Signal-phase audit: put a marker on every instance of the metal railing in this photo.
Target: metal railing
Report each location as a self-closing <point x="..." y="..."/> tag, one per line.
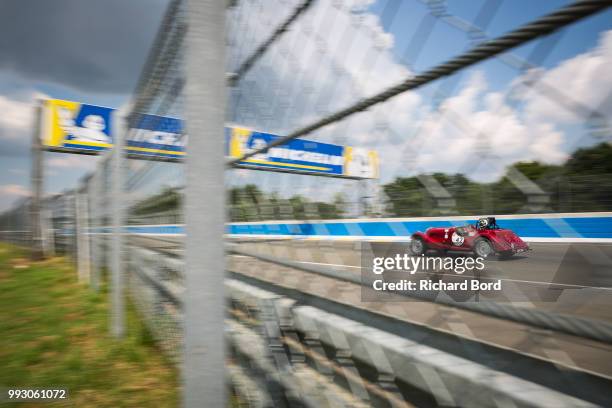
<point x="288" y="345"/>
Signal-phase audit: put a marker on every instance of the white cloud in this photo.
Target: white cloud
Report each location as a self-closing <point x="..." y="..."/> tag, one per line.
<point x="72" y="161"/>
<point x="479" y="134"/>
<point x="17" y="122"/>
<point x="17" y="117"/>
<point x="581" y="81"/>
<point x="538" y="130"/>
<point x="18" y="114"/>
<point x="334" y="54"/>
<point x="357" y="5"/>
<point x="14" y="190"/>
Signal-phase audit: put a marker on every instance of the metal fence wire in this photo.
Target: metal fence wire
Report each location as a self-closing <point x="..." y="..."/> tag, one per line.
<point x="296" y="328"/>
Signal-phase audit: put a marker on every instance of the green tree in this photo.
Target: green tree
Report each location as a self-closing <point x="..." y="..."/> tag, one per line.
<point x="592" y="160"/>
<point x="168" y="199"/>
<point x="407" y="197"/>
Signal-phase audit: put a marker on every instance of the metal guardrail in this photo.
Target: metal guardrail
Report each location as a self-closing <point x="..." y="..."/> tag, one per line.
<point x="577" y="326"/>
<point x="280" y="345"/>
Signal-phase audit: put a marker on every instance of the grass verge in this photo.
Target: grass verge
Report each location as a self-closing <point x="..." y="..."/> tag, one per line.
<point x="54" y="333"/>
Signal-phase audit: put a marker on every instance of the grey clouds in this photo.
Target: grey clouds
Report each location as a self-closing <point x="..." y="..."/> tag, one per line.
<point x="88" y="45"/>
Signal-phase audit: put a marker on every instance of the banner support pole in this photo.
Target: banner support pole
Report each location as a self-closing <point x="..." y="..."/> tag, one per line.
<point x="37" y="174"/>
<point x="117" y="198"/>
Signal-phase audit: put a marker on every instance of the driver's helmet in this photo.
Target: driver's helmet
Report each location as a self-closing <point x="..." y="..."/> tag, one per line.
<point x="486" y="222"/>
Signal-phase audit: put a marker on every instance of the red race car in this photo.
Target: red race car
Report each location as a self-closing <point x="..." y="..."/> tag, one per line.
<point x="484" y="238"/>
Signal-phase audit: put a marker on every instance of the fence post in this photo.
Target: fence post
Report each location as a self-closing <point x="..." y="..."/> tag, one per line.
<point x="204" y="351"/>
<point x="47" y="231"/>
<point x="37" y="187"/>
<point x="82" y="235"/>
<point x="95" y="197"/>
<point x="117" y="207"/>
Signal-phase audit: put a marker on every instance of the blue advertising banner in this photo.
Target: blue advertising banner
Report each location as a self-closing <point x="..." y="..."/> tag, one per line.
<point x="301" y="155"/>
<point x="81" y="128"/>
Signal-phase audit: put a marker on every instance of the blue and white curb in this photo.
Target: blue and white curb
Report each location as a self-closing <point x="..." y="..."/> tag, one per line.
<point x="569" y="227"/>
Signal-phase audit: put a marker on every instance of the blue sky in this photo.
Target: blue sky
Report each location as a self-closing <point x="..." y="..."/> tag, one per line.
<point x="446" y="41"/>
<point x="106" y="74"/>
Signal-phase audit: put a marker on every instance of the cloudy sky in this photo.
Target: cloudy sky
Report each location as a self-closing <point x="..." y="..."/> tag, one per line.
<point x="339" y="51"/>
<point x="342" y="51"/>
<point x="83" y="50"/>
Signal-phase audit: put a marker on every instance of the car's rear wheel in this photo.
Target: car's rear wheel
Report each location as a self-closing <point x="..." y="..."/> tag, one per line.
<point x="483" y="248"/>
<point x="417" y="246"/>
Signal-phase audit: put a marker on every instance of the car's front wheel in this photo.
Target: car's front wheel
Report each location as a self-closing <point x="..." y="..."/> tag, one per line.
<point x="417" y="246"/>
<point x="483" y="248"/>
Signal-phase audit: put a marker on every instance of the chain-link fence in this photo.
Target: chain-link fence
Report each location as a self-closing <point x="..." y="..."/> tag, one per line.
<point x="451" y="142"/>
